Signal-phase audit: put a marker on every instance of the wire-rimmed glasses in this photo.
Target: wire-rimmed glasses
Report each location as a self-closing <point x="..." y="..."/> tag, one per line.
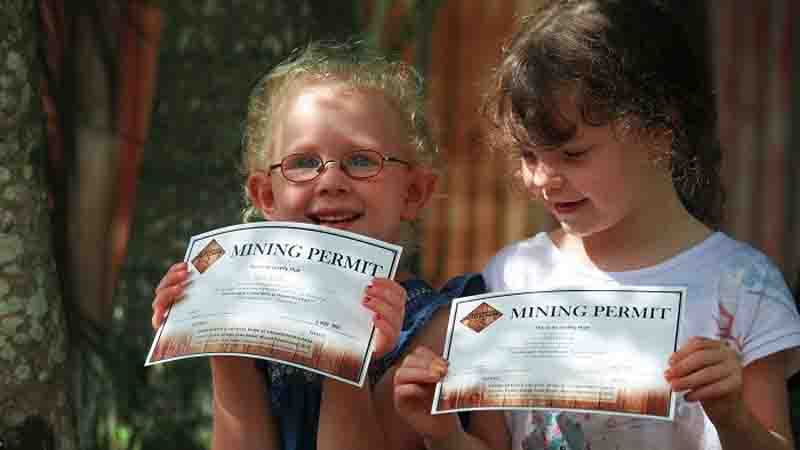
<point x="358" y="164"/>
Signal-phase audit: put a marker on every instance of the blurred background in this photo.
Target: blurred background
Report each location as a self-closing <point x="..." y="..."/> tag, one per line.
<point x="144" y="102"/>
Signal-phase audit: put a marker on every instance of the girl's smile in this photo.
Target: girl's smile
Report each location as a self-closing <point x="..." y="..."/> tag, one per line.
<point x="566" y="208"/>
<point x="335" y="218"/>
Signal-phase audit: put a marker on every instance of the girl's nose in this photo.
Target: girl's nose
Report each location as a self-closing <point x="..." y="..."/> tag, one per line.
<point x="332" y="179"/>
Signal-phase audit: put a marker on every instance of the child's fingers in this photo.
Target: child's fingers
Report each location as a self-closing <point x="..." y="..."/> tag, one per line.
<point x="422" y="353"/>
<point x="172" y="272"/>
<point x="691" y="346"/>
<point x="384" y="310"/>
<point x="409" y="390"/>
<point x="389" y="291"/>
<point x="697" y="357"/>
<point x="169" y="290"/>
<point x="156" y="320"/>
<point x="721" y="388"/>
<point x="171" y="280"/>
<point x="703" y="377"/>
<point x="177" y="273"/>
<point x="708" y="369"/>
<point x="412" y="399"/>
<point x="169" y="295"/>
<point x="417" y="375"/>
<point x="386" y="328"/>
<point x="695" y="362"/>
<point x="405" y="392"/>
<point x="424" y="358"/>
<point x="159" y="314"/>
<point x="386" y="298"/>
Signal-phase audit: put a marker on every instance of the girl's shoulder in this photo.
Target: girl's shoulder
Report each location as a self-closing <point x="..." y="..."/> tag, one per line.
<point x="423" y="301"/>
<point x="752" y="268"/>
<point x="524" y="264"/>
<point x="535" y="247"/>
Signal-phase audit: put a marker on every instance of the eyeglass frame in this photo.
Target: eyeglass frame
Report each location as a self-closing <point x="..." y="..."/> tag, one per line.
<point x="324" y="164"/>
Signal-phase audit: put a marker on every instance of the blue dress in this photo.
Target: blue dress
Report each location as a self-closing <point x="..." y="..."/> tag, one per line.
<point x="295" y="394"/>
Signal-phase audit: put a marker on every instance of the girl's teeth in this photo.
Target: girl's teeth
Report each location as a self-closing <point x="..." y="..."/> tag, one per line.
<point x="335" y="219"/>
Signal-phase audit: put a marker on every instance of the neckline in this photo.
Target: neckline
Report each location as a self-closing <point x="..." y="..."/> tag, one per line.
<point x="677" y="259"/>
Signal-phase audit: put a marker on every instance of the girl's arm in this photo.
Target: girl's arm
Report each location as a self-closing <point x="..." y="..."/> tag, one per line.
<point x="748" y="406"/>
<point x="765" y="399"/>
<point x="242" y="415"/>
<point x="407" y="419"/>
<point x="348" y="418"/>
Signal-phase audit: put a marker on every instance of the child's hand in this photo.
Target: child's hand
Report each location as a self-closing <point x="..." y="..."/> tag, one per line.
<point x="387" y="300"/>
<point x="169" y="290"/>
<point x="414" y="384"/>
<point x="711" y="373"/>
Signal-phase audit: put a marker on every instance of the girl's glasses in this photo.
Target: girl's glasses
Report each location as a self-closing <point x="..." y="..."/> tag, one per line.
<point x="359" y="164"/>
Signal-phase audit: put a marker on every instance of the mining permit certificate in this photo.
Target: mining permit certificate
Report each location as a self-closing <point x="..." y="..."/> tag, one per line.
<point x="578" y="350"/>
<point x="286" y="292"/>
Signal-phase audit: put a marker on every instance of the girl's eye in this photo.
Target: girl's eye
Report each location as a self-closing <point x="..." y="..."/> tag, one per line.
<point x="362" y="159"/>
<point x="299" y="162"/>
<point x="528" y="156"/>
<point x="575" y="154"/>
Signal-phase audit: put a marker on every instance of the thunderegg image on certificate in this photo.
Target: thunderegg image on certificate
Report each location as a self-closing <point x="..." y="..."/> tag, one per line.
<point x="286" y="292"/>
<point x="579" y="350"/>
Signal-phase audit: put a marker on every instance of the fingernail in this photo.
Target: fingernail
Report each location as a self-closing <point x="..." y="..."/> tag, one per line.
<point x="439" y="366"/>
<point x="436" y="373"/>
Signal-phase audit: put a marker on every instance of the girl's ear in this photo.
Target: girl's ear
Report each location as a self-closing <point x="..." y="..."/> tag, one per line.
<point x="420" y="189"/>
<point x="259" y="188"/>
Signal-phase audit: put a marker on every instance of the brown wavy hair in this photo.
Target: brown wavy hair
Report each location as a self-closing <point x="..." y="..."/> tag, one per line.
<point x="633" y="68"/>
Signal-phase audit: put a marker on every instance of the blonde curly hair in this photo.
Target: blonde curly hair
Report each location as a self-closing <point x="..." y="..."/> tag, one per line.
<point x="351" y="64"/>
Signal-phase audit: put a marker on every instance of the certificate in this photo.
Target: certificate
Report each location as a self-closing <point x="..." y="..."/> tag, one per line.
<point x="593" y="350"/>
<point x="286" y="292"/>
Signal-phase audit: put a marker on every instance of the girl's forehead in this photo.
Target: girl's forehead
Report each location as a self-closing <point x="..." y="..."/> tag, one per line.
<point x="330" y="92"/>
<point x="324" y="110"/>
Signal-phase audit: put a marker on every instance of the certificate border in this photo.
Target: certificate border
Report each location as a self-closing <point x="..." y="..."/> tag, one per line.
<point x="458" y="302"/>
<point x="394" y="250"/>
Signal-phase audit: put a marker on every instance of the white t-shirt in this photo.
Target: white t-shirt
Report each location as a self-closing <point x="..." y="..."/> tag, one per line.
<point x="733" y="292"/>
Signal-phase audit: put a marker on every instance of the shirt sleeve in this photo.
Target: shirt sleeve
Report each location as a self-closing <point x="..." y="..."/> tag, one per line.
<point x="774" y="324"/>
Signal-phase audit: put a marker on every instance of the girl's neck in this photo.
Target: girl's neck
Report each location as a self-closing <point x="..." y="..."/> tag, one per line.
<point x="639" y="241"/>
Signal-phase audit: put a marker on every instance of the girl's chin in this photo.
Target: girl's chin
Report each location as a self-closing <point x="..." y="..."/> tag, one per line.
<point x="575" y="229"/>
